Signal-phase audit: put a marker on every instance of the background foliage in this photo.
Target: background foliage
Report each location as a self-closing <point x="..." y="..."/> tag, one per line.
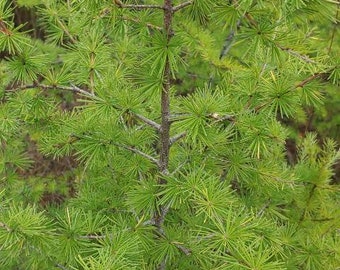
<point x="251" y="181"/>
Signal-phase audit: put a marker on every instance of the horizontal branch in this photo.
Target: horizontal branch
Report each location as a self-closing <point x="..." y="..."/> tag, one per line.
<point x="61" y="266"/>
<point x="303" y="57"/>
<point x="221" y="118"/>
<point x="71" y="88"/>
<point x="177" y="137"/>
<point x="323" y="219"/>
<point x="301" y="84"/>
<point x="148" y="121"/>
<point x="92" y="236"/>
<point x="138" y="152"/>
<point x="180" y="6"/>
<point x="178" y="116"/>
<point x="323" y="75"/>
<point x="120" y="4"/>
<point x="149" y="222"/>
<point x="76" y="89"/>
<point x="309" y="79"/>
<point x="152" y="26"/>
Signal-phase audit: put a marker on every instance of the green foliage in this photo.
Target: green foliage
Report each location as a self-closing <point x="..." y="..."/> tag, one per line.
<point x="25" y="235"/>
<point x="85" y="178"/>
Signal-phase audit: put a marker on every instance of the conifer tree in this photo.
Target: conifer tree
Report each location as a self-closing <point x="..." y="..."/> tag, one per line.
<point x="170" y="116"/>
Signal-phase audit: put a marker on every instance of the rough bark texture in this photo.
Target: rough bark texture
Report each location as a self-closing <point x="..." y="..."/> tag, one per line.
<point x="165" y="97"/>
<point x="165" y="123"/>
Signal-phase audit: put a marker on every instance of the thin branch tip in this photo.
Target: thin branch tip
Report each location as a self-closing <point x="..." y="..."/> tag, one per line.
<point x="72" y="88"/>
<point x="139" y="152"/>
<point x="120" y="4"/>
<point x="148" y="121"/>
<point x="180" y="6"/>
<point x="177" y="137"/>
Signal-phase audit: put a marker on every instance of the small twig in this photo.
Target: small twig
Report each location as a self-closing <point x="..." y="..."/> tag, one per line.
<point x="162" y="266"/>
<point x="296" y="54"/>
<point x="229" y="40"/>
<point x="334" y="29"/>
<point x="177" y="137"/>
<point x="92" y="236"/>
<point x="301" y="84"/>
<point x="263" y="69"/>
<point x="147" y="24"/>
<point x="309" y="79"/>
<point x="122" y="5"/>
<point x="149" y="222"/>
<point x="61" y="266"/>
<point x="264" y="207"/>
<point x="159" y="219"/>
<point x="4" y="29"/>
<point x="148" y="121"/>
<point x="180" y="6"/>
<point x="3" y="225"/>
<point x="322" y="219"/>
<point x="139" y="152"/>
<point x="81" y="91"/>
<point x="209" y="236"/>
<point x="221" y="118"/>
<point x="63" y="27"/>
<point x="304" y="212"/>
<point x="180" y="166"/>
<point x="178" y="117"/>
<point x="185" y="250"/>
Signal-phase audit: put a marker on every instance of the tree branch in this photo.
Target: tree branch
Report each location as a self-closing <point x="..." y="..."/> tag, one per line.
<point x="303" y="57"/>
<point x="61" y="266"/>
<point x="63" y="27"/>
<point x="177" y="137"/>
<point x="138" y="21"/>
<point x="3" y="225"/>
<point x="310" y="78"/>
<point x="139" y="152"/>
<point x="71" y="88"/>
<point x="221" y="118"/>
<point x="178" y="117"/>
<point x="180" y="6"/>
<point x="92" y="236"/>
<point x="120" y="4"/>
<point x="301" y="84"/>
<point x="180" y="166"/>
<point x="159" y="219"/>
<point x="76" y="89"/>
<point x="185" y="250"/>
<point x="333" y="31"/>
<point x="264" y="207"/>
<point x="148" y="121"/>
<point x="165" y="95"/>
<point x="229" y="40"/>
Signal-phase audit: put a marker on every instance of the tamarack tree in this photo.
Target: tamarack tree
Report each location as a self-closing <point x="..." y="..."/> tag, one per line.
<point x="170" y="115"/>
